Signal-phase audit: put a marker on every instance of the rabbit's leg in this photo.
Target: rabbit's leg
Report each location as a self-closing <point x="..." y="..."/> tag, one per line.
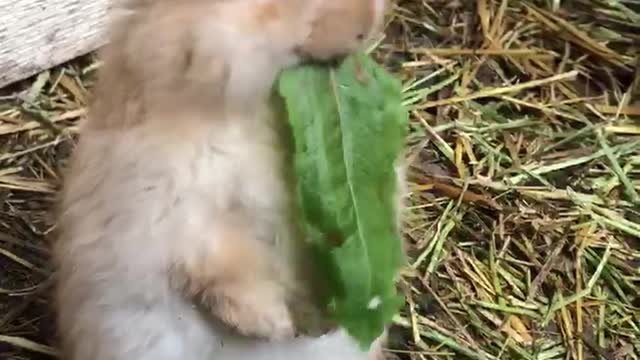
<point x="233" y="276"/>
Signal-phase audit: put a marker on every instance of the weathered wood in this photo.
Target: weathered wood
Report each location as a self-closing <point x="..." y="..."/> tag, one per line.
<point x="38" y="34"/>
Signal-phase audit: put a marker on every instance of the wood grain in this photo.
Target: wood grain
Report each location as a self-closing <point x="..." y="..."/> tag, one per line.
<point x="36" y="35"/>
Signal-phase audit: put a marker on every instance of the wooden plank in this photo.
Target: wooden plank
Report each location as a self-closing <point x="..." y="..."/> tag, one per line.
<point x="36" y="35"/>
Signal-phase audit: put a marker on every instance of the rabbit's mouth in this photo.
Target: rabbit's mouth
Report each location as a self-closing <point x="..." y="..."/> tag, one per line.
<point x="331" y="61"/>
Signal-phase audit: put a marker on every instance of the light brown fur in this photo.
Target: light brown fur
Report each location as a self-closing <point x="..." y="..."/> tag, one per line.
<point x="177" y="198"/>
<point x="237" y="280"/>
<point x="362" y="24"/>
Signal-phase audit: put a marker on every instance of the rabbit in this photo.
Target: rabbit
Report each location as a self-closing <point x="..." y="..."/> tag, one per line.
<point x="176" y="235"/>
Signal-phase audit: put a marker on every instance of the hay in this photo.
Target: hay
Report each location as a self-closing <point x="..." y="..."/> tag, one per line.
<point x="524" y="218"/>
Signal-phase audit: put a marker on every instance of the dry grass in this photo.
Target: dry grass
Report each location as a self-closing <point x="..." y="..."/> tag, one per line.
<point x="525" y="155"/>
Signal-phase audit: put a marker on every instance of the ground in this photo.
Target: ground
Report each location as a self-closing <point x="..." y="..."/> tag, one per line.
<point x="524" y="152"/>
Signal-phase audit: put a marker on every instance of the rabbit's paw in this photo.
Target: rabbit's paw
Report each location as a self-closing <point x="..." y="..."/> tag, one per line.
<point x="256" y="312"/>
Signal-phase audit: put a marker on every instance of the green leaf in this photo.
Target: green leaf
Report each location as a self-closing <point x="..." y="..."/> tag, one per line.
<point x="349" y="128"/>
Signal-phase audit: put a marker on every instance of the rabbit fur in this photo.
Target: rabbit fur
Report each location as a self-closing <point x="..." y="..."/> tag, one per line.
<point x="176" y="236"/>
